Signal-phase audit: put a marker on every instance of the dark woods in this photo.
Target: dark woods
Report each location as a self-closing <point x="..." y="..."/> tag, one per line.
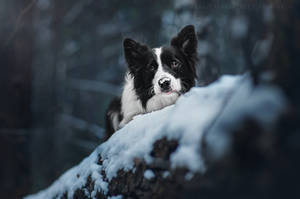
<point x="62" y="62"/>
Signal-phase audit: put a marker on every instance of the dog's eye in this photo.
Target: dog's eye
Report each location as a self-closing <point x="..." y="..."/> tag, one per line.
<point x="175" y="64"/>
<point x="151" y="67"/>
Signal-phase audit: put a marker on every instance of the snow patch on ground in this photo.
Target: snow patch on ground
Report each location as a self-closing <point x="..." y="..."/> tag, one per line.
<point x="148" y="174"/>
<point x="214" y="109"/>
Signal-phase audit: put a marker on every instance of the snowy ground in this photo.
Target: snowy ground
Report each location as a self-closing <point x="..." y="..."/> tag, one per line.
<point x="215" y="110"/>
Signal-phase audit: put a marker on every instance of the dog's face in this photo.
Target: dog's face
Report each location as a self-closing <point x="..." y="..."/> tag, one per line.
<point x="161" y="75"/>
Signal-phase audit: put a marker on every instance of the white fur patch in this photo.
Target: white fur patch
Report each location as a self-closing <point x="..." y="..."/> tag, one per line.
<point x="160" y="74"/>
<point x="131" y="105"/>
<point x="160" y="99"/>
<point x="114" y="116"/>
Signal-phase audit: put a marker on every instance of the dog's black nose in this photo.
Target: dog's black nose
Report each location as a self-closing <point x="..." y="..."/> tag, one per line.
<point x="164" y="84"/>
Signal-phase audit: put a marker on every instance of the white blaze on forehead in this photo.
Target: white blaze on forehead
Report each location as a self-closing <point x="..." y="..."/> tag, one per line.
<point x="157" y="52"/>
<point x="161" y="73"/>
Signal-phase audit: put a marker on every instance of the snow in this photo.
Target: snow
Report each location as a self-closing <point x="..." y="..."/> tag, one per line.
<point x="148" y="174"/>
<point x="215" y="110"/>
<point x="166" y="174"/>
<point x="116" y="197"/>
<point x="188" y="176"/>
<point x="75" y="178"/>
<point x="262" y="104"/>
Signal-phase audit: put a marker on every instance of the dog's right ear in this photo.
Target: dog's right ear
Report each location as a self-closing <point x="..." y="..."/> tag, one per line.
<point x="186" y="41"/>
<point x="134" y="53"/>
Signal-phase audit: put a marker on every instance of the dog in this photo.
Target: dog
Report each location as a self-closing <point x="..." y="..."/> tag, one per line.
<point x="155" y="78"/>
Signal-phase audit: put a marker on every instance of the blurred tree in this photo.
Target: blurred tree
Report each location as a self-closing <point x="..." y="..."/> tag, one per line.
<point x="16" y="57"/>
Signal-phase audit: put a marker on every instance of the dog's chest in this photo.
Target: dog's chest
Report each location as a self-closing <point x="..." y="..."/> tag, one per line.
<point x="131" y="105"/>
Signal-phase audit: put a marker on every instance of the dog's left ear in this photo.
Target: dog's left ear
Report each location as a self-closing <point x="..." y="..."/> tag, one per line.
<point x="186" y="41"/>
<point x="134" y="54"/>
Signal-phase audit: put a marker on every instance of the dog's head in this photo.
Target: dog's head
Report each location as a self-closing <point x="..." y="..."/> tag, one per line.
<point x="166" y="72"/>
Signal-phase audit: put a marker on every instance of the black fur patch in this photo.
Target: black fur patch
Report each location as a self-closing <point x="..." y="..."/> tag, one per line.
<point x="114" y="107"/>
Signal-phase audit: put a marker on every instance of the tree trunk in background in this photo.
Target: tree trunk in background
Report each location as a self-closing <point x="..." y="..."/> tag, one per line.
<point x="284" y="60"/>
<point x="45" y="107"/>
<point x="16" y="55"/>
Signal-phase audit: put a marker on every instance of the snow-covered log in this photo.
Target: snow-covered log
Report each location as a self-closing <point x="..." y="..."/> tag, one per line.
<point x="168" y="149"/>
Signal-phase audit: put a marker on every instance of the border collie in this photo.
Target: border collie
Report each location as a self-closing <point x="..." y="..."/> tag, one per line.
<point x="155" y="79"/>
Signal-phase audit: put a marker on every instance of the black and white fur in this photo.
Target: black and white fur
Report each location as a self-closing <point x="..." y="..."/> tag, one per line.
<point x="155" y="78"/>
